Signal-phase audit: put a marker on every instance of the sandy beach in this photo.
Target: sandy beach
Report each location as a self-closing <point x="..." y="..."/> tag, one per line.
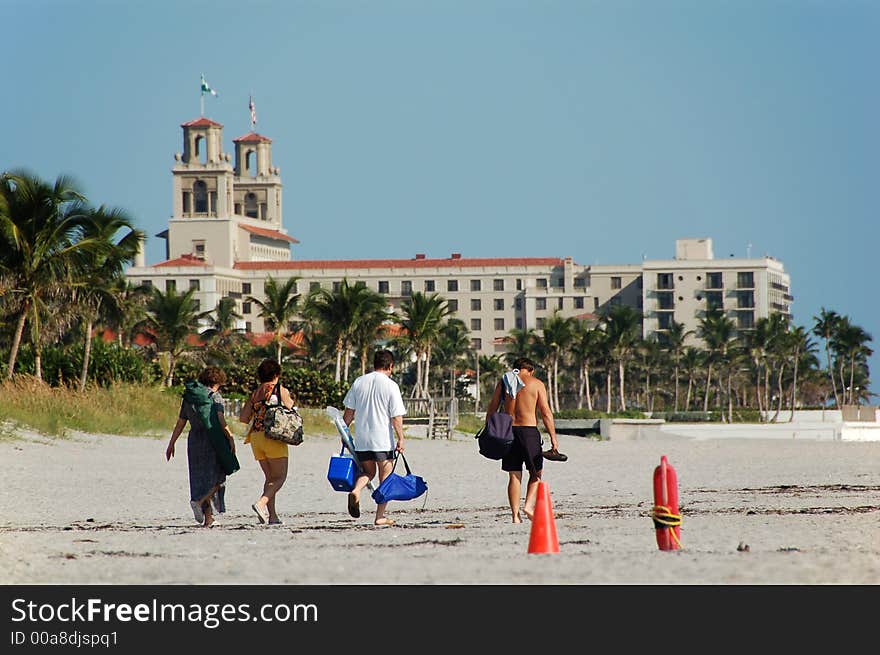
<point x="103" y="509"/>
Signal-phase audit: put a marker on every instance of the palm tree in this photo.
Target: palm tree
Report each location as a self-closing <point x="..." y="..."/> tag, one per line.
<point x="825" y="327"/>
<point x="520" y="343"/>
<point x="279" y="307"/>
<point x="370" y="319"/>
<point x="422" y="319"/>
<point x="717" y="332"/>
<point x="223" y="332"/>
<point x="623" y="329"/>
<point x="350" y="315"/>
<point x="172" y="317"/>
<point x="587" y="349"/>
<point x="851" y="346"/>
<point x="803" y="346"/>
<point x="125" y="307"/>
<point x="452" y="346"/>
<point x="103" y="268"/>
<point x="673" y="343"/>
<point x="555" y="339"/>
<point x="692" y="360"/>
<point x="42" y="246"/>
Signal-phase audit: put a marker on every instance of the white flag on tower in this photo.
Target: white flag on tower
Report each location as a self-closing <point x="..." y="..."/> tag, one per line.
<point x="253" y="112"/>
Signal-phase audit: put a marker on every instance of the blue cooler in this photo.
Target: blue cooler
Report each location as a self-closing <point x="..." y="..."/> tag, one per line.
<point x="341" y="472"/>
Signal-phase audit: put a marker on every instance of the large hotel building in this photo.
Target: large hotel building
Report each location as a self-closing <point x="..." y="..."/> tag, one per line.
<point x="226" y="236"/>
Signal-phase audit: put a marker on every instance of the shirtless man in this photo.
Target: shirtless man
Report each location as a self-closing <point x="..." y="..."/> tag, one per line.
<point x="529" y="400"/>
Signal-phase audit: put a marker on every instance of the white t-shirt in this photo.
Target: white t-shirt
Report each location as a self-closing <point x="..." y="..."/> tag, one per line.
<point x="375" y="399"/>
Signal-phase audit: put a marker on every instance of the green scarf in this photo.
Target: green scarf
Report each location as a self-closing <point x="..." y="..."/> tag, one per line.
<point x="199" y="397"/>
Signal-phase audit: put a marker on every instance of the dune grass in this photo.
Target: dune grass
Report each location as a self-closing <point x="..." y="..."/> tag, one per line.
<point x="126" y="409"/>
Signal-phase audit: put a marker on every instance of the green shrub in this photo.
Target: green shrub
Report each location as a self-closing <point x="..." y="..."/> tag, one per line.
<point x="592" y="413"/>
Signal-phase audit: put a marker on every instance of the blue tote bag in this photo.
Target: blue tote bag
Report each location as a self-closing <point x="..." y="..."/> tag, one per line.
<point x="400" y="487"/>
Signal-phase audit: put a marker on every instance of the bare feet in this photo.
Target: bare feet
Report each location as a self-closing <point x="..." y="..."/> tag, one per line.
<point x="383" y="521"/>
<point x="516" y="518"/>
<point x="529" y="512"/>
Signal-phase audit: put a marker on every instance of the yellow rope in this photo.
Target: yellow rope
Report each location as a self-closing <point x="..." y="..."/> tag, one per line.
<point x="664" y="517"/>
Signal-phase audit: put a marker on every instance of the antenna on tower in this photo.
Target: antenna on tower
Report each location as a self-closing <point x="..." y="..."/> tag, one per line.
<point x="749" y="251"/>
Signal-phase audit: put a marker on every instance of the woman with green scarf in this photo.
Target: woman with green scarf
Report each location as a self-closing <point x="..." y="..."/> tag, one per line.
<point x="210" y="446"/>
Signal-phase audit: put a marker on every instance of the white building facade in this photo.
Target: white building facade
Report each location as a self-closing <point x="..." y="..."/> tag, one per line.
<point x="226" y="236"/>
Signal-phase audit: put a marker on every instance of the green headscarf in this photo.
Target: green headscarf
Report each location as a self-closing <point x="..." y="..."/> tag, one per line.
<point x="199" y="397"/>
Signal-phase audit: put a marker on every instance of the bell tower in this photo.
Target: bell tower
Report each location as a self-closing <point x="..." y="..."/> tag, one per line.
<point x="201" y="225"/>
<point x="257" y="183"/>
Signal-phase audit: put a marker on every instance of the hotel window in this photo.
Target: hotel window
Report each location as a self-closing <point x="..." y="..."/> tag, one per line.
<point x="406" y="288"/>
<point x="665" y="301"/>
<point x="498" y="285"/>
<point x="476" y="305"/>
<point x="314" y="286"/>
<point x="383" y="286"/>
<point x="429" y="286"/>
<point x="519" y="323"/>
<point x="452" y="285"/>
<point x="595" y="303"/>
<point x="519" y="284"/>
<point x="499" y="324"/>
<point x="559" y="303"/>
<point x="499" y="304"/>
<point x="540" y="303"/>
<point x="247" y="326"/>
<point x="664" y="321"/>
<point x="580" y="283"/>
<point x="245" y="308"/>
<point x="665" y="281"/>
<point x="475" y="285"/>
<point x="199" y="249"/>
<point x="245" y="287"/>
<point x="476" y="324"/>
<point x="714" y="300"/>
<point x="170" y="285"/>
<point x="745" y="280"/>
<point x="539" y="323"/>
<point x="194" y="284"/>
<point x="714" y="281"/>
<point x="336" y="286"/>
<point x="745" y="299"/>
<point x="147" y="283"/>
<point x="476" y="344"/>
<point x="615" y="282"/>
<point x="453" y="305"/>
<point x="541" y="282"/>
<point x="578" y="303"/>
<point x="745" y="320"/>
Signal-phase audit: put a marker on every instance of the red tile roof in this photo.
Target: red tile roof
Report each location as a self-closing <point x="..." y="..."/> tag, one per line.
<point x="401" y="263"/>
<point x="265" y="232"/>
<point x="184" y="260"/>
<point x="293" y="340"/>
<point x="201" y="122"/>
<point x="252" y="137"/>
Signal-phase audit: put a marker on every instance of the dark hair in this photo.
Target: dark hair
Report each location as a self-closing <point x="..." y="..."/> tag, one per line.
<point x="268" y="370"/>
<point x="211" y="376"/>
<point x="383" y="360"/>
<point x="524" y="363"/>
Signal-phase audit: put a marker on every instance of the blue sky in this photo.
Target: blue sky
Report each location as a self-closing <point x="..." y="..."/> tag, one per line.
<point x="600" y="130"/>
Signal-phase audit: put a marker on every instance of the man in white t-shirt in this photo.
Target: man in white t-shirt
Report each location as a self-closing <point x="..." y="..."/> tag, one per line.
<point x="375" y="399"/>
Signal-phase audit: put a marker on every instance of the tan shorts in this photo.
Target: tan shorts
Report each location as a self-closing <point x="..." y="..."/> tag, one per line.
<point x="265" y="448"/>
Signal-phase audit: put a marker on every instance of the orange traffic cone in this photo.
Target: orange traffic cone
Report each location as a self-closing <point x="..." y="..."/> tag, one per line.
<point x="543" y="536"/>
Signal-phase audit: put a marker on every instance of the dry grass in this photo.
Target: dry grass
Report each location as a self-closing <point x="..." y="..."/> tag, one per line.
<point x="137" y="410"/>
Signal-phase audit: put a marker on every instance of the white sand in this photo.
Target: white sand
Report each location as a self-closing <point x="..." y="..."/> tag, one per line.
<point x="110" y="510"/>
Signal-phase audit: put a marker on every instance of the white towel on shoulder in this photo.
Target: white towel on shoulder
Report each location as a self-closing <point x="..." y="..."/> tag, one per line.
<point x="512" y="383"/>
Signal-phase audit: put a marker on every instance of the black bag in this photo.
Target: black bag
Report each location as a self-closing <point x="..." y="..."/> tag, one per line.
<point x="496" y="437"/>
